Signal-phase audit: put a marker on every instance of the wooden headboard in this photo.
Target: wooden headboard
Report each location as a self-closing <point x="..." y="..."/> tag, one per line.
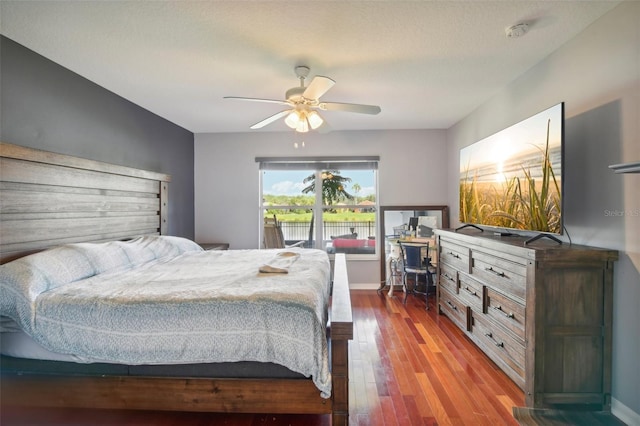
<point x="48" y="199"/>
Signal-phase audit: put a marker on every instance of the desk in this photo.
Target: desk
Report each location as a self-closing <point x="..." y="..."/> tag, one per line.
<point x="421" y="240"/>
<point x="393" y="256"/>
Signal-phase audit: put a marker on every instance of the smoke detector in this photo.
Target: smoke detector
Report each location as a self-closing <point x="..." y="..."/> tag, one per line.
<point x="517" y="30"/>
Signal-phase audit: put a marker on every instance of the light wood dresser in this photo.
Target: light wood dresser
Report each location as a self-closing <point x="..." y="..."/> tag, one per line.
<point x="542" y="312"/>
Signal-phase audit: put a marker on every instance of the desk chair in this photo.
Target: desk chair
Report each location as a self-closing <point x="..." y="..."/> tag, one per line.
<point x="413" y="262"/>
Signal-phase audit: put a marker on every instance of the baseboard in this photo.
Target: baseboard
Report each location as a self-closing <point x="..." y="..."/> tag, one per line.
<point x="624" y="413"/>
<point x="363" y="286"/>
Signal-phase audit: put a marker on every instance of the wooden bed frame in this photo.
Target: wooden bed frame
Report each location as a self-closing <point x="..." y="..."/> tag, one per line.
<point x="49" y="199"/>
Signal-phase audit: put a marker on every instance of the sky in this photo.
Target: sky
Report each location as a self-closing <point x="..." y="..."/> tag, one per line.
<point x="276" y="182"/>
<point x="527" y="136"/>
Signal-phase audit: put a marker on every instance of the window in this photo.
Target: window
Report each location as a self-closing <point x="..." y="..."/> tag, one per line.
<point x="330" y="203"/>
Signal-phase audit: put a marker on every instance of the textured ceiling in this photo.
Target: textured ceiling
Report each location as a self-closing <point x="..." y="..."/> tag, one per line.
<point x="427" y="64"/>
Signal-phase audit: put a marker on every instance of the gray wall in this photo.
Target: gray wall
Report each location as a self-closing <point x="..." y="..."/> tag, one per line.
<point x="46" y="106"/>
<point x="597" y="75"/>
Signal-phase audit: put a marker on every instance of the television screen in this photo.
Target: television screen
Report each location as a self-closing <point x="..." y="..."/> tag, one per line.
<point x="513" y="179"/>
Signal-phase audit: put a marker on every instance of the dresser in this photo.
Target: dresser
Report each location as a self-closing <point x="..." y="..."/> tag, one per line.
<point x="542" y="312"/>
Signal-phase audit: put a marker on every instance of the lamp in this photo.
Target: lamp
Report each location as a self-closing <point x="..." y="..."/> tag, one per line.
<point x="303" y="124"/>
<point x="292" y="119"/>
<point x="302" y="119"/>
<point x="314" y="119"/>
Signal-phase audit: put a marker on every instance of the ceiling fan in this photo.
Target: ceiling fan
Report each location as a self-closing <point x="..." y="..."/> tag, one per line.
<point x="303" y="103"/>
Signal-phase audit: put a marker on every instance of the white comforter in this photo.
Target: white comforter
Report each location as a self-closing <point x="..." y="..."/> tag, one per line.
<point x="197" y="306"/>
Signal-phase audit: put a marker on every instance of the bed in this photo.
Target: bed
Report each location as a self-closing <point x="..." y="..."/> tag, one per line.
<point x="67" y="204"/>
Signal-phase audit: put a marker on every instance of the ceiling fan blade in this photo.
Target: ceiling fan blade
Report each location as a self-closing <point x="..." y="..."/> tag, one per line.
<point x="271" y="101"/>
<point x="324" y="128"/>
<point x="318" y="87"/>
<point x="271" y="119"/>
<point x="338" y="106"/>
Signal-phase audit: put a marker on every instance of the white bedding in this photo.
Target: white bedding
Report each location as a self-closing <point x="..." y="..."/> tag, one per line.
<point x="19" y="344"/>
<point x="187" y="306"/>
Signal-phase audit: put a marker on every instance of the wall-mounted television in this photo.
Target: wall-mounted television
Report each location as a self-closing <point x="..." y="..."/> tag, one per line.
<point x="512" y="180"/>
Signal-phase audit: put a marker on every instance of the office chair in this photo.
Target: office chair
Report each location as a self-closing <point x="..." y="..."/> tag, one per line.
<point x="413" y="262"/>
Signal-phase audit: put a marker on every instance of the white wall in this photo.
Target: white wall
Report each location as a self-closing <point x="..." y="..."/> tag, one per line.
<point x="597" y="75"/>
<point x="411" y="171"/>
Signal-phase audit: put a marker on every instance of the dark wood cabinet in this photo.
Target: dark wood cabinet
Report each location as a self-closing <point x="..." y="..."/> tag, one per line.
<point x="542" y="312"/>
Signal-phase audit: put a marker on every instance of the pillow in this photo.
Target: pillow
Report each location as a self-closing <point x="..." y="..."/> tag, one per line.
<point x="22" y="280"/>
<point x="150" y="247"/>
<point x="50" y="268"/>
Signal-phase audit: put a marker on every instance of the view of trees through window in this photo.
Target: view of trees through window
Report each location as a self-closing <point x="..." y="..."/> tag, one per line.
<point x="340" y="219"/>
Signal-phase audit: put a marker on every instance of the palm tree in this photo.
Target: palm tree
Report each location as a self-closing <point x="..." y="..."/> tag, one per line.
<point x="332" y="190"/>
<point x="356" y="188"/>
<point x="332" y="186"/>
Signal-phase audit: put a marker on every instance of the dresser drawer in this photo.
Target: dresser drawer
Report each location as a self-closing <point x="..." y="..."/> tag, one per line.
<point x="500" y="346"/>
<point x="507" y="312"/>
<point x="471" y="292"/>
<point x="455" y="255"/>
<point x="448" y="278"/>
<point x="508" y="276"/>
<point x="454" y="309"/>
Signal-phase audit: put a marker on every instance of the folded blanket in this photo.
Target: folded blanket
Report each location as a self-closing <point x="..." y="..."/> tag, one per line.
<point x="280" y="263"/>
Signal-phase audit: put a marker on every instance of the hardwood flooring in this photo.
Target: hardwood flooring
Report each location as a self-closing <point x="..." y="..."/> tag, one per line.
<point x="408" y="366"/>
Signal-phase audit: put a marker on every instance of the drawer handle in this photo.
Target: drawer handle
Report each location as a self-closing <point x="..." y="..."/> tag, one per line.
<point x="498" y="344"/>
<point x="452" y="305"/>
<point x="453" y="254"/>
<point x="506" y="314"/>
<point x="493" y="271"/>
<point x="471" y="292"/>
<point x="447" y="277"/>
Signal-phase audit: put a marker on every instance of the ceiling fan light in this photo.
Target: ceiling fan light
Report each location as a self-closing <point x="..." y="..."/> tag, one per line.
<point x="303" y="126"/>
<point x="293" y="119"/>
<point x="314" y="119"/>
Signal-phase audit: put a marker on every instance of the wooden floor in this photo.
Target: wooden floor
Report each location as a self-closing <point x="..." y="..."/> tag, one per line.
<point x="408" y="367"/>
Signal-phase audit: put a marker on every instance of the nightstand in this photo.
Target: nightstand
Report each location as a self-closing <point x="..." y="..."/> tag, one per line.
<point x="214" y="246"/>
